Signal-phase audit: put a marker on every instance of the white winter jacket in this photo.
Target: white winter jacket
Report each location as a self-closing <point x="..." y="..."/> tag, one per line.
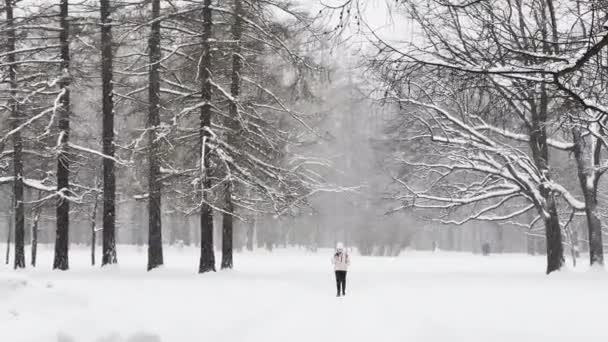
<point x="341" y="261"/>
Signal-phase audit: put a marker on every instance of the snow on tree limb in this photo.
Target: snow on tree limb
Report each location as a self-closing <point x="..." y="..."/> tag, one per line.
<point x="97" y="153"/>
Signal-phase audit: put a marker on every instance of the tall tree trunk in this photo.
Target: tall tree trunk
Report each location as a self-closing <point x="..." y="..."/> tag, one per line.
<point x="594" y="226"/>
<point x="36" y="219"/>
<point x="231" y="123"/>
<point x="63" y="167"/>
<point x="9" y="236"/>
<point x="588" y="183"/>
<point x="227" y="229"/>
<point x="553" y="233"/>
<point x="109" y="179"/>
<point x="19" y="212"/>
<point x="93" y="230"/>
<point x="540" y="153"/>
<point x="155" y="242"/>
<point x="207" y="260"/>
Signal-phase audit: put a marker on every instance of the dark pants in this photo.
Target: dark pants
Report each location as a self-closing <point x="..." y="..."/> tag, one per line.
<point x="341" y="282"/>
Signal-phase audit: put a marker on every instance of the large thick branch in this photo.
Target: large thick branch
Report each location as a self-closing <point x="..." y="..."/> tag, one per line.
<point x="557" y="144"/>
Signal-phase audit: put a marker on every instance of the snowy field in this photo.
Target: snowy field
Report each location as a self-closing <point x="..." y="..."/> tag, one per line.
<point x="289" y="296"/>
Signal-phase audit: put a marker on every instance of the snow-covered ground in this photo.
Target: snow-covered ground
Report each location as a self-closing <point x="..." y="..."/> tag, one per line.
<point x="289" y="296"/>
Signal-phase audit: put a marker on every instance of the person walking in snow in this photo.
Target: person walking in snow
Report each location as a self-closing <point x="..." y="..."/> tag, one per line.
<point x="341" y="261"/>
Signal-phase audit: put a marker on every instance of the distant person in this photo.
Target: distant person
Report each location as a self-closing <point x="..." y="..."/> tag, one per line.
<point x="341" y="261"/>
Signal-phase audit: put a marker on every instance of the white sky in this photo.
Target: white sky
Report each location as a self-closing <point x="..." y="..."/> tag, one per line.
<point x="378" y="16"/>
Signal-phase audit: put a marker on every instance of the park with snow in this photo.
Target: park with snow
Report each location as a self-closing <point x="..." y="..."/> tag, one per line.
<point x="289" y="295"/>
<point x="186" y="171"/>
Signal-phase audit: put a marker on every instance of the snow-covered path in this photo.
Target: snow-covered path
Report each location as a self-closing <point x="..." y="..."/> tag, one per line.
<point x="289" y="296"/>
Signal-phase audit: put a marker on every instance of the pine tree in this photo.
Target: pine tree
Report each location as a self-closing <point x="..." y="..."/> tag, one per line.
<point x="207" y="260"/>
<point x="109" y="175"/>
<point x="155" y="242"/>
<point x="16" y="119"/>
<point x="232" y="125"/>
<point x="63" y="159"/>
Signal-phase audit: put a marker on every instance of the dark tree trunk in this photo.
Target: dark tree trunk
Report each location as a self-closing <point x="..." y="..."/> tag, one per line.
<point x="235" y="87"/>
<point x="93" y="230"/>
<point x="19" y="212"/>
<point x="155" y="252"/>
<point x="587" y="177"/>
<point x="63" y="160"/>
<point x="594" y="226"/>
<point x="227" y="236"/>
<point x="553" y="233"/>
<point x="36" y="219"/>
<point x="540" y="153"/>
<point x="9" y="237"/>
<point x="155" y="241"/>
<point x="109" y="180"/>
<point x="207" y="261"/>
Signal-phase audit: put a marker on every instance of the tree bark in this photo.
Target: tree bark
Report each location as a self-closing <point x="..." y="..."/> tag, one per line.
<point x="594" y="226"/>
<point x="34" y="250"/>
<point x="9" y="237"/>
<point x="19" y="211"/>
<point x="155" y="243"/>
<point x="553" y="233"/>
<point x="231" y="123"/>
<point x="207" y="260"/>
<point x="109" y="177"/>
<point x="227" y="230"/>
<point x="588" y="183"/>
<point x="540" y="153"/>
<point x="93" y="230"/>
<point x="63" y="167"/>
